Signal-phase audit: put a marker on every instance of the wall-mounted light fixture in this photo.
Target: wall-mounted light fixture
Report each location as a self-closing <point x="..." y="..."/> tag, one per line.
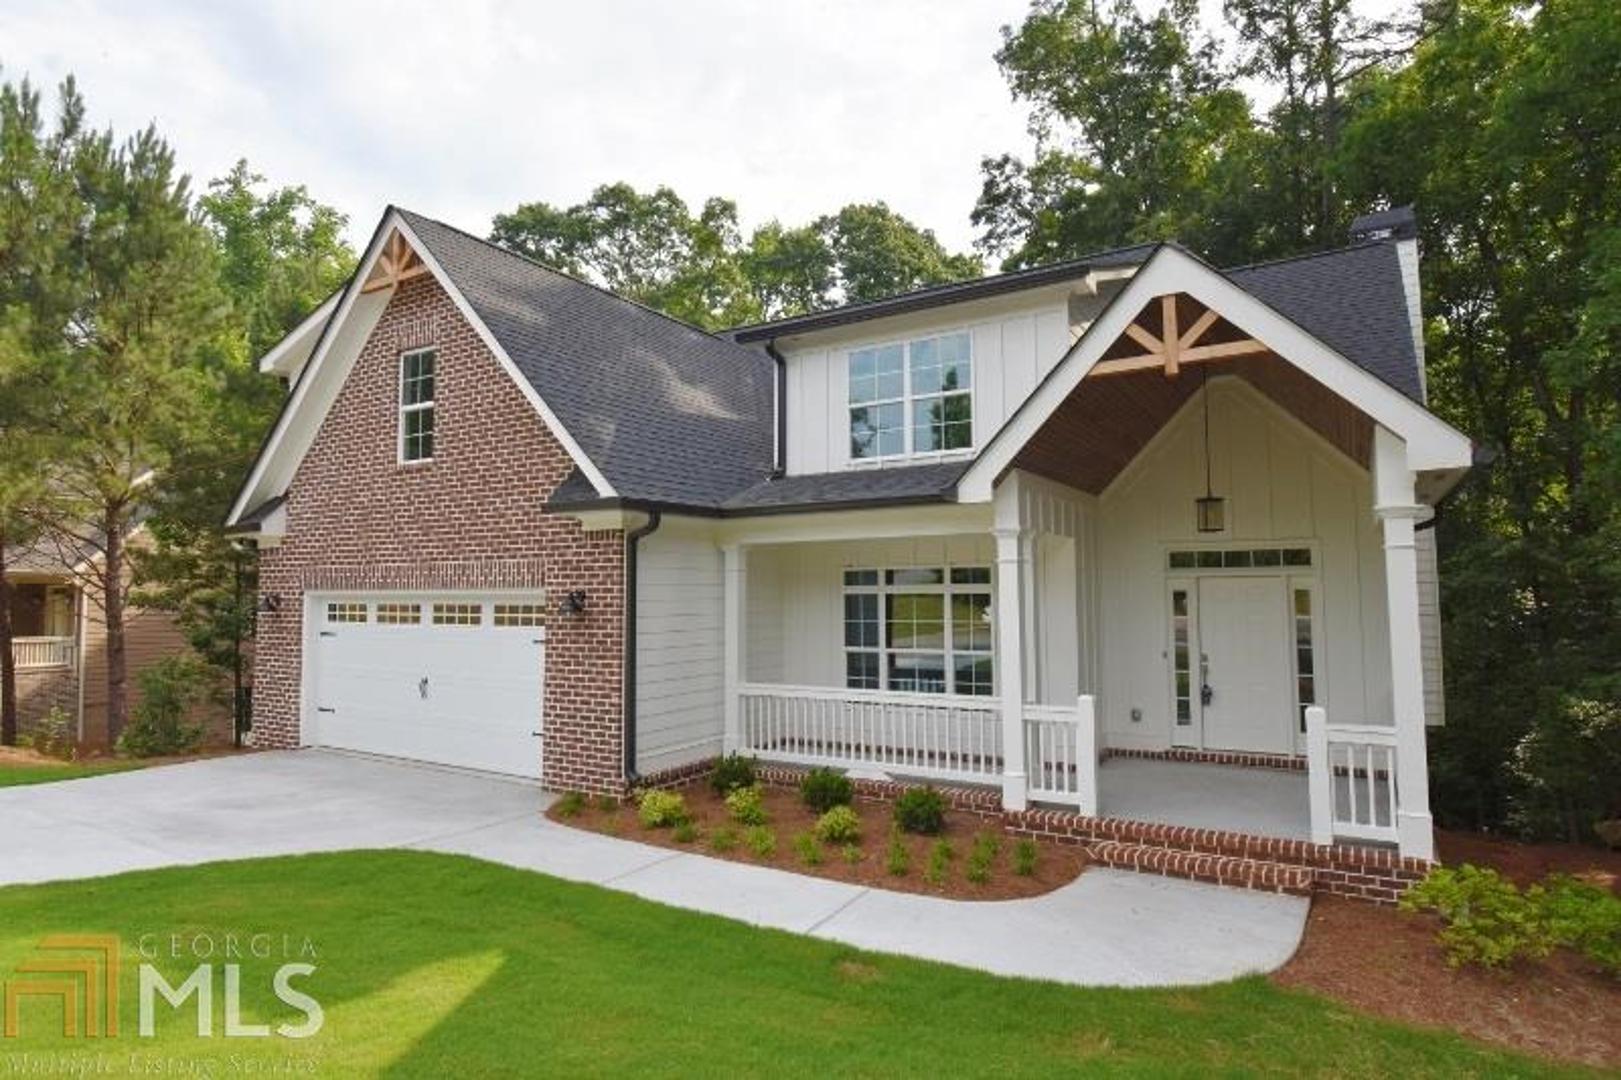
<point x="269" y="603"/>
<point x="573" y="605"/>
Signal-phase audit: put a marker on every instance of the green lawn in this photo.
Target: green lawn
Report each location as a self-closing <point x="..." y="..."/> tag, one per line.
<point x="441" y="966"/>
<point x="13" y="774"/>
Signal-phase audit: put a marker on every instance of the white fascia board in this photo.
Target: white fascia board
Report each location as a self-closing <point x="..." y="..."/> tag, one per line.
<point x="291" y="353"/>
<point x="559" y="432"/>
<point x="1432" y="442"/>
<point x="878" y="523"/>
<point x="296" y="427"/>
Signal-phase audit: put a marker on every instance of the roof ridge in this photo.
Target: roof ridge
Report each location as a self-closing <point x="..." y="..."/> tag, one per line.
<point x="1303" y="256"/>
<point x="1077" y="262"/>
<point x="564" y="274"/>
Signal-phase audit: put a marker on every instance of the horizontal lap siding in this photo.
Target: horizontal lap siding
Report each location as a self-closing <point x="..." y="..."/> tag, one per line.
<point x="471" y="520"/>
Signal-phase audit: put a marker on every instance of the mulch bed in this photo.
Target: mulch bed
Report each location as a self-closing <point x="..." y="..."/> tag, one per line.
<point x="1387" y="962"/>
<point x="1056" y="864"/>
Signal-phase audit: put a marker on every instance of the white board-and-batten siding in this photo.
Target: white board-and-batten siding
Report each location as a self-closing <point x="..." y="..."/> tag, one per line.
<point x="679" y="636"/>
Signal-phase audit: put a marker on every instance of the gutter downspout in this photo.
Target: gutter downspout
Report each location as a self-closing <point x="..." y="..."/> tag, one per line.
<point x="632" y="540"/>
<point x="779" y="459"/>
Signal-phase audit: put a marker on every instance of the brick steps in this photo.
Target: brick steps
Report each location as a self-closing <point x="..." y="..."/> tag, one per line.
<point x="1242" y="873"/>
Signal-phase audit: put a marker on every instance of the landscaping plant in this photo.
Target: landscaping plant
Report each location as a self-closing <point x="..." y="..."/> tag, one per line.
<point x="823" y="789"/>
<point x="52" y="735"/>
<point x="732" y="772"/>
<point x="921" y="810"/>
<point x="986" y="848"/>
<point x="897" y="860"/>
<point x="723" y="839"/>
<point x="761" y="840"/>
<point x="170" y="689"/>
<point x="1582" y="916"/>
<point x="851" y="853"/>
<point x="809" y="848"/>
<point x="1024" y="857"/>
<point x="685" y="832"/>
<point x="940" y="856"/>
<point x="1488" y="921"/>
<point x="662" y="809"/>
<point x="747" y="805"/>
<point x="840" y="825"/>
<point x="571" y="804"/>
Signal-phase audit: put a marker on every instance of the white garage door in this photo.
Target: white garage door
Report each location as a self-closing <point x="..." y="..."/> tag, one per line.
<point x="454" y="680"/>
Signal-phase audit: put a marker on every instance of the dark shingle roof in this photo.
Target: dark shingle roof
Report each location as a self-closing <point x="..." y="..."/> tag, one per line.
<point x="912" y="483"/>
<point x="939" y="295"/>
<point x="1352" y="300"/>
<point x="664" y="410"/>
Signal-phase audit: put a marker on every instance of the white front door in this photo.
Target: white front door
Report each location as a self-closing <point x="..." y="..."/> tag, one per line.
<point x="1243" y="635"/>
<point x="452" y="680"/>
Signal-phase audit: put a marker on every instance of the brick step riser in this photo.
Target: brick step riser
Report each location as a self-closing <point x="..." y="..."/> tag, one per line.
<point x="1213" y="869"/>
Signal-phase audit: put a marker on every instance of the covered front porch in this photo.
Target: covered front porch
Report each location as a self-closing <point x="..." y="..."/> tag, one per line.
<point x="1184" y="590"/>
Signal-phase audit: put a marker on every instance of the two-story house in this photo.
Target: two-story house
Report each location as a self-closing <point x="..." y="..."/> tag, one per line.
<point x="1129" y="544"/>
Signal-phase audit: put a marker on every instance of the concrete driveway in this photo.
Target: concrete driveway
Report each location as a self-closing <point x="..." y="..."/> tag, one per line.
<point x="1107" y="928"/>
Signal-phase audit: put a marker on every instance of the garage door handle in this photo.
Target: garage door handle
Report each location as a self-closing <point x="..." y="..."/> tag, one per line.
<point x="323" y="708"/>
<point x="422" y="687"/>
<point x="536" y="734"/>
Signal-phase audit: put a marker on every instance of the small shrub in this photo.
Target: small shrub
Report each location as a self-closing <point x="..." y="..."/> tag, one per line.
<point x="607" y="803"/>
<point x="809" y="848"/>
<point x="761" y="840"/>
<point x="662" y="809"/>
<point x="170" y="689"/>
<point x="1024" y="857"/>
<point x="685" y="832"/>
<point x="571" y="804"/>
<point x="723" y="839"/>
<point x="52" y="734"/>
<point x="851" y="853"/>
<point x="1582" y="916"/>
<point x="921" y="810"/>
<point x="986" y="848"/>
<point x="898" y="860"/>
<point x="840" y="825"/>
<point x="1489" y="922"/>
<point x="746" y="805"/>
<point x="823" y="789"/>
<point x="940" y="856"/>
<point x="732" y="772"/>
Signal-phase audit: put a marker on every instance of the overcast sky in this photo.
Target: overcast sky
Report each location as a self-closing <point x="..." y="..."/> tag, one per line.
<point x="463" y="109"/>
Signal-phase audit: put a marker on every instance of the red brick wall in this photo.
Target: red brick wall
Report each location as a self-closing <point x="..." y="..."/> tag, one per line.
<point x="470" y="519"/>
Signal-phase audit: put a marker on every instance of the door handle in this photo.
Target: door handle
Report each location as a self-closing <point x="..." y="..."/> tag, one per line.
<point x="422" y="688"/>
<point x="1207" y="693"/>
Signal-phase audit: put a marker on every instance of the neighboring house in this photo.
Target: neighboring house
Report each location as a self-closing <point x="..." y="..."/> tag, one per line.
<point x="59" y="643"/>
<point x="511" y="522"/>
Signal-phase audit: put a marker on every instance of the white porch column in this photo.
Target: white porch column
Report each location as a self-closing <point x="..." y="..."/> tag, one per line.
<point x="734" y="580"/>
<point x="1012" y="570"/>
<point x="1398" y="510"/>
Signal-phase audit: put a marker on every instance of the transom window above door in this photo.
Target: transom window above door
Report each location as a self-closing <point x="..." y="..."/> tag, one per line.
<point x="912" y="397"/>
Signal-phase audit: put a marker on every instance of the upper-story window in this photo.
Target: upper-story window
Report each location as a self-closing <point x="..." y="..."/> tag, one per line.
<point x="911" y="397"/>
<point x="416" y="404"/>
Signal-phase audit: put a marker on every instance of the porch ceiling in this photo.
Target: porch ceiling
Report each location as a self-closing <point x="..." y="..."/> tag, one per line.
<point x="1147" y="374"/>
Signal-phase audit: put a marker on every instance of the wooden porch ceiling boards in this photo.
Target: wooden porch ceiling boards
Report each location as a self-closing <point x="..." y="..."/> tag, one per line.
<point x="1130" y="394"/>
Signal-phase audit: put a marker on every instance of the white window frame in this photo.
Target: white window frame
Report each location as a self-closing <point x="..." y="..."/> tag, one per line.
<point x="909" y="398"/>
<point x="419" y="406"/>
<point x="946" y="590"/>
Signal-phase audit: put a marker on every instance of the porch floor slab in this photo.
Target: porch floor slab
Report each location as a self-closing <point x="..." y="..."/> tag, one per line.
<point x="1262" y="802"/>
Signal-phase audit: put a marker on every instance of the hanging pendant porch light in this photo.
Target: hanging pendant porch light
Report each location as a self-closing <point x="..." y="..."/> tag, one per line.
<point x="1210" y="511"/>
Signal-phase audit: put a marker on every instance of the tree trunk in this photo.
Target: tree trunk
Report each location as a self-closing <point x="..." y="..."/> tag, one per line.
<point x="8" y="662"/>
<point x="112" y="607"/>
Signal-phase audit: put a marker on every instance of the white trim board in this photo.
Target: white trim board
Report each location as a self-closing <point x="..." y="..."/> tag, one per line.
<point x="1432" y="444"/>
<point x="320" y="381"/>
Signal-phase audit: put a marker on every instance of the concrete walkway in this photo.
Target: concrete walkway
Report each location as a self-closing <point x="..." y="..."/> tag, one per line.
<point x="1108" y="928"/>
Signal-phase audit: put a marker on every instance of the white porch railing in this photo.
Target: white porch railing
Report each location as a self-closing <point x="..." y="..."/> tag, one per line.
<point x="1352" y="782"/>
<point x="1061" y="754"/>
<point x="919" y="734"/>
<point x="42" y="652"/>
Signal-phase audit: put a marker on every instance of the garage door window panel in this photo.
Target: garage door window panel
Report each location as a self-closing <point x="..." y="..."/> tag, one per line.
<point x="458" y="614"/>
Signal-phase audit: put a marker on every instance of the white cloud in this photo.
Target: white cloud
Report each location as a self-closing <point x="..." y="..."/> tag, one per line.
<point x="463" y="110"/>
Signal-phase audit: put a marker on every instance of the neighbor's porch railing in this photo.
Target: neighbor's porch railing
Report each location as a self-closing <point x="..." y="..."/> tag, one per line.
<point x="1061" y="754"/>
<point x="1352" y="781"/>
<point x="928" y="735"/>
<point x="43" y="652"/>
